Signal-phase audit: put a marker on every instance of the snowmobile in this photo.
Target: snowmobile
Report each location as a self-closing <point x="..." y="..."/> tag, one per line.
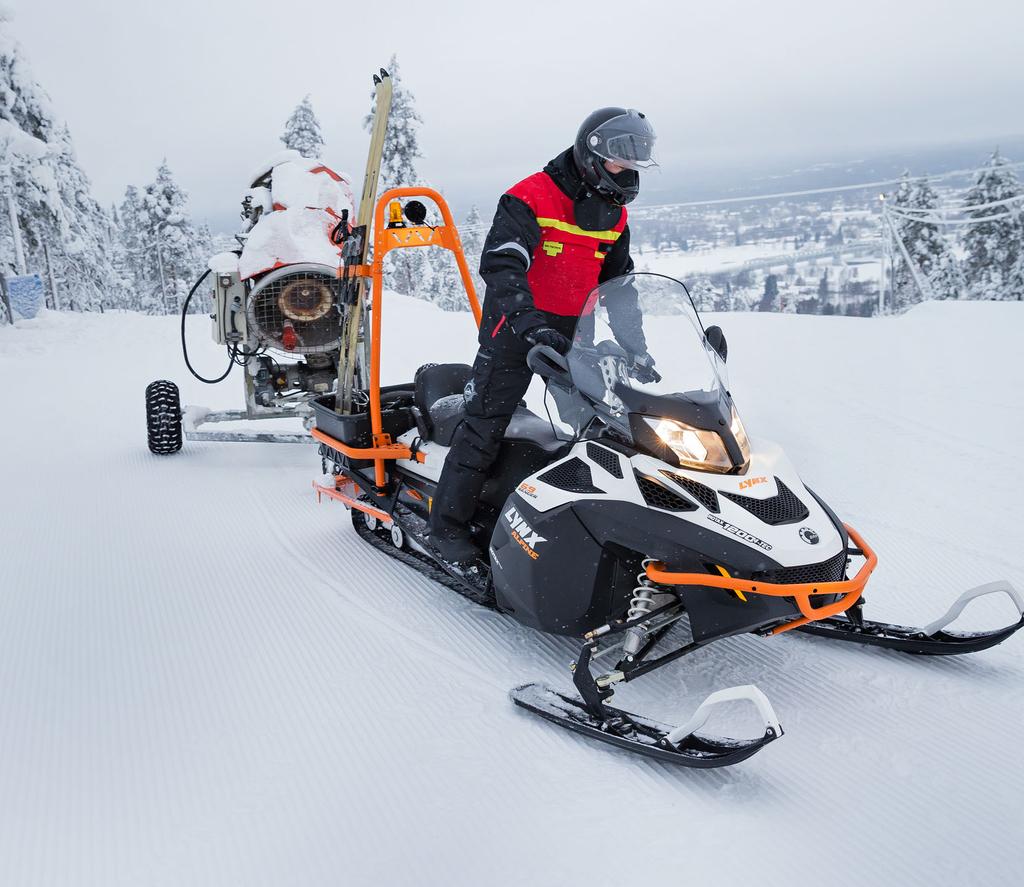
<point x="646" y="507"/>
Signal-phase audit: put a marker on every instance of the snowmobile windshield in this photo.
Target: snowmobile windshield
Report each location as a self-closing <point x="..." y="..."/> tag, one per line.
<point x="636" y="314"/>
<point x="641" y="358"/>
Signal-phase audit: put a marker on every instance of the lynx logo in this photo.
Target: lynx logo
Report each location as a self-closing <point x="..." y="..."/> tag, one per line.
<point x="808" y="535"/>
<point x="746" y="484"/>
<point x="523" y="533"/>
<point x="743" y="534"/>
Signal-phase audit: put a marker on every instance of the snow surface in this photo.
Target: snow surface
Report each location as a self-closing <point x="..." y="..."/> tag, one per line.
<point x="207" y="679"/>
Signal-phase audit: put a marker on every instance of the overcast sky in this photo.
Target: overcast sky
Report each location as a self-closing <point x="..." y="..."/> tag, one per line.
<point x="502" y="86"/>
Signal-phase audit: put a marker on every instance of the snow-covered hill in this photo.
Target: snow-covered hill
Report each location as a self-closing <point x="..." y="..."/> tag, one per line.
<point x="206" y="679"/>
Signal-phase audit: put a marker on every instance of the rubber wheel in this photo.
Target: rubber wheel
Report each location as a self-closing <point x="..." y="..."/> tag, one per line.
<point x="163" y="417"/>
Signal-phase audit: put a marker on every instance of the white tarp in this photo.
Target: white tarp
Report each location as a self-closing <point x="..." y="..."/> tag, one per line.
<point x="308" y="200"/>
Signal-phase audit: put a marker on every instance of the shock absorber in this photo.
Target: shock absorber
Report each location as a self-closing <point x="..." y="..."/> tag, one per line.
<point x="640" y="605"/>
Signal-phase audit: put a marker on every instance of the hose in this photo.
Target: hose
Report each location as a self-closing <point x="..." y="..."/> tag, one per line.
<point x="184" y="345"/>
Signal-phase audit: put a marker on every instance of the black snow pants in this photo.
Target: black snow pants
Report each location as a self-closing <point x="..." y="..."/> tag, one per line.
<point x="500" y="379"/>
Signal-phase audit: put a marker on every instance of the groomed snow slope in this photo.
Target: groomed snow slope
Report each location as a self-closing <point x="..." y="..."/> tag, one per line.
<point x="206" y="679"/>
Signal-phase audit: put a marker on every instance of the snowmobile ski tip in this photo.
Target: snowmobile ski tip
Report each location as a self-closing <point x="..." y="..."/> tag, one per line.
<point x="930" y="640"/>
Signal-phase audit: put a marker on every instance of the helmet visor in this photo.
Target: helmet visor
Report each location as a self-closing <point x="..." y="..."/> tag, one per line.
<point x="627" y="140"/>
<point x="630" y="151"/>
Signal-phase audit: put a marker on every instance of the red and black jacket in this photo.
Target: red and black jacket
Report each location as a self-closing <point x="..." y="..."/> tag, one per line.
<point x="537" y="258"/>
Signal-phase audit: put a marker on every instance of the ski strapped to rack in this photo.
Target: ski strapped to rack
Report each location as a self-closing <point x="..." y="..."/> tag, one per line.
<point x="352" y="321"/>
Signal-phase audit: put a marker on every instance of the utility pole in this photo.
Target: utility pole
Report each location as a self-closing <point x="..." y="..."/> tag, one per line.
<point x="160" y="263"/>
<point x="881" y="270"/>
<point x="49" y="274"/>
<point x="19" y="251"/>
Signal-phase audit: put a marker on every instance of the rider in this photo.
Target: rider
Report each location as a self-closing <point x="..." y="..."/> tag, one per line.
<point x="556" y="236"/>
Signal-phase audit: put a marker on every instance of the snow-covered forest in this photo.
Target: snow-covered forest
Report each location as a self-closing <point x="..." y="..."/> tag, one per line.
<point x="144" y="252"/>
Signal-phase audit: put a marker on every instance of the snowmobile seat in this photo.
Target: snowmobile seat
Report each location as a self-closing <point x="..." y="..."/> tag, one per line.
<point x="442" y="407"/>
<point x="439" y="400"/>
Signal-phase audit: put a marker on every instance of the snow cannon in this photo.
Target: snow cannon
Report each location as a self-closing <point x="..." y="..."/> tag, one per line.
<point x="277" y="307"/>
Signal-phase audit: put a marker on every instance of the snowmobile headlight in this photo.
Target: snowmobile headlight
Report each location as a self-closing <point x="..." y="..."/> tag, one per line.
<point x="694" y="447"/>
<point x="740" y="433"/>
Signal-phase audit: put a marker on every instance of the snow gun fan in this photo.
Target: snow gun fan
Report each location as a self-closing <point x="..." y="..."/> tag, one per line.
<point x="296" y="310"/>
<point x="285" y="301"/>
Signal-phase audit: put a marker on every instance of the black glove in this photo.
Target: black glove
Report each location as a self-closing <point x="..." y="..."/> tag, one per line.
<point x="545" y="335"/>
<point x="642" y="369"/>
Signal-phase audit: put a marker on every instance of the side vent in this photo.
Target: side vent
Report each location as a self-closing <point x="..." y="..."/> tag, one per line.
<point x="608" y="460"/>
<point x="783" y="508"/>
<point x="658" y="496"/>
<point x="705" y="495"/>
<point x="572" y="476"/>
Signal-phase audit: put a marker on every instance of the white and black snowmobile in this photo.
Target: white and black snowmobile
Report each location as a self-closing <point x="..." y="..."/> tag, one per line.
<point x="653" y="509"/>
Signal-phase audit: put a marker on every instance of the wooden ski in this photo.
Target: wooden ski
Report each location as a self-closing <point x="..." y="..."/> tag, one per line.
<point x="349" y="356"/>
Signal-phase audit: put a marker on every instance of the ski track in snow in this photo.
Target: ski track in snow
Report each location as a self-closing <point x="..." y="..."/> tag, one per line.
<point x="208" y="679"/>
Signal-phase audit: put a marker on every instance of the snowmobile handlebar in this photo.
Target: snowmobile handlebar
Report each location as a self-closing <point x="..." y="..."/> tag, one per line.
<point x="547" y="363"/>
<point x="849" y="589"/>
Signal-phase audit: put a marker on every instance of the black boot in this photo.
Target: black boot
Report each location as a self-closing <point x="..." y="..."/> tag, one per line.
<point x="455" y="547"/>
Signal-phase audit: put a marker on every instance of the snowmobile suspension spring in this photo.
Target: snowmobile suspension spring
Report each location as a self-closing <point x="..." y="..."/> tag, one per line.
<point x="642" y="601"/>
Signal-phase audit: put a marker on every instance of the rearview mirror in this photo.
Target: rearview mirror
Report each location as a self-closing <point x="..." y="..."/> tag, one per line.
<point x="716" y="339"/>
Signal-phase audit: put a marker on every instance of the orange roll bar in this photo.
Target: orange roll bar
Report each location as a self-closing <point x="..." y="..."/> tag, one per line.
<point x="850" y="589"/>
<point x="384" y="240"/>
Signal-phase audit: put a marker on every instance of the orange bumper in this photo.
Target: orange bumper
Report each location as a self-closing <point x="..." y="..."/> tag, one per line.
<point x="850" y="589"/>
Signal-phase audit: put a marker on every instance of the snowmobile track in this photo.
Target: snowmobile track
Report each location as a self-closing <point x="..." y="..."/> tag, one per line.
<point x="381" y="540"/>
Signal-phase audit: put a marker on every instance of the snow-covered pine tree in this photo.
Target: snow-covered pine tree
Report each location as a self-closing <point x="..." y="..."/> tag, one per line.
<point x="446" y="289"/>
<point x="932" y="252"/>
<point x="409" y="271"/>
<point x="132" y="245"/>
<point x="993" y="266"/>
<point x="473" y="233"/>
<point x="302" y="131"/>
<point x="82" y="256"/>
<point x="704" y="295"/>
<point x="770" y="298"/>
<point x="905" y="292"/>
<point x="45" y="192"/>
<point x="171" y="255"/>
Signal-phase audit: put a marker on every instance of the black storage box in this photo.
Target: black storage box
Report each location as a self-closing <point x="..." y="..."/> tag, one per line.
<point x="354" y="430"/>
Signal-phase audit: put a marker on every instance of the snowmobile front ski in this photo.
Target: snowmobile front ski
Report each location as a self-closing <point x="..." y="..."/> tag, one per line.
<point x="675" y="745"/>
<point x="590" y="713"/>
<point x="929" y="640"/>
<point x="352" y="322"/>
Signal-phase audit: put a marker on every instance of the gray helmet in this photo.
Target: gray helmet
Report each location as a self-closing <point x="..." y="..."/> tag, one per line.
<point x="623" y="136"/>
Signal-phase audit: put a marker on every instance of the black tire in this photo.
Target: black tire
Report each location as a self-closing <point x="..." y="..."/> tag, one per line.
<point x="163" y="417"/>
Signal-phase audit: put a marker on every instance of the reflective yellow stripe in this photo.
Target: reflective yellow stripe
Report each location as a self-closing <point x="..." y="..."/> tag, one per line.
<point x="735" y="591"/>
<point x="575" y="229"/>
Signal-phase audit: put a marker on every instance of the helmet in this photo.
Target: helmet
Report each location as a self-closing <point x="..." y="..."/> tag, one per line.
<point x="623" y="136"/>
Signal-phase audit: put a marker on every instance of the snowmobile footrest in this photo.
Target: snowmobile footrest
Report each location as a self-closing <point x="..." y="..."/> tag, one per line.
<point x="675" y="745"/>
<point x="932" y="639"/>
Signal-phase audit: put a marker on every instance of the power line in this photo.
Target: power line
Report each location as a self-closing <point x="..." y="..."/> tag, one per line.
<point x="956" y="173"/>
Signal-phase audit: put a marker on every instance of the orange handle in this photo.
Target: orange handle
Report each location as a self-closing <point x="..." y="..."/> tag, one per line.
<point x="850" y="589"/>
